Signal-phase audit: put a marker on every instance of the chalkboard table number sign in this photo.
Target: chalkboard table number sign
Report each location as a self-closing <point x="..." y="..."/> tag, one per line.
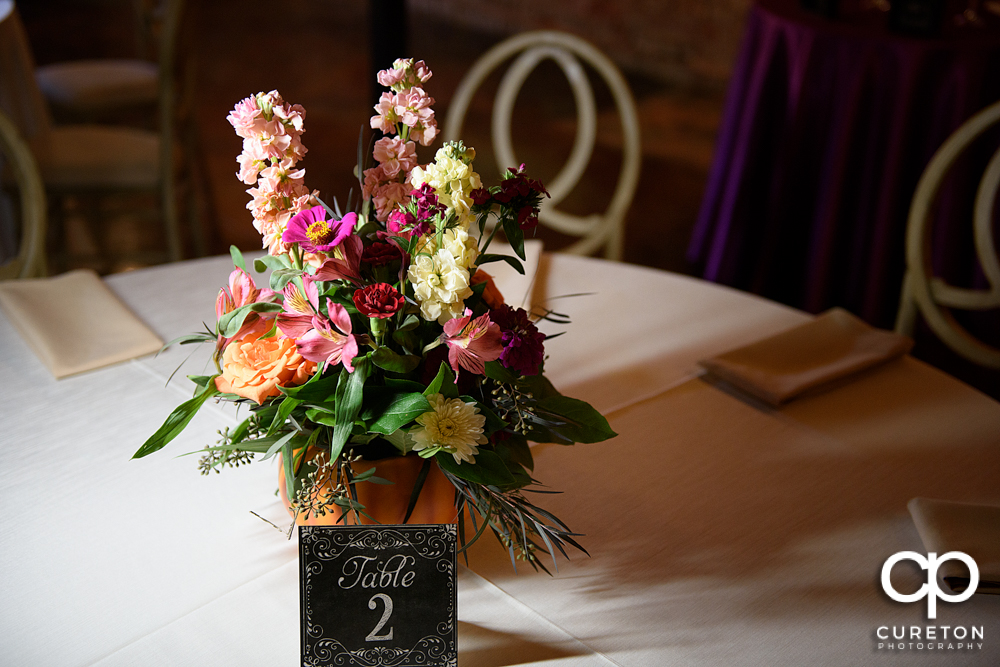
<point x="378" y="596"/>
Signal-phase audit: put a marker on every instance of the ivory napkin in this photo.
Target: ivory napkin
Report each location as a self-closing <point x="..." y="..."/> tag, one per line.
<point x="74" y="323"/>
<point x="973" y="529"/>
<point x="834" y="345"/>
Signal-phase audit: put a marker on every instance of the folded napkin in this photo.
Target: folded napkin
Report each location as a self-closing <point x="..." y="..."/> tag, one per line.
<point x="834" y="345"/>
<point x="973" y="529"/>
<point x="74" y="323"/>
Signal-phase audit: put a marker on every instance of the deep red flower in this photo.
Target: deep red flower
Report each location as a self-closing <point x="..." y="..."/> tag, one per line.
<point x="380" y="300"/>
<point x="523" y="343"/>
<point x="380" y="253"/>
<point x="481" y="196"/>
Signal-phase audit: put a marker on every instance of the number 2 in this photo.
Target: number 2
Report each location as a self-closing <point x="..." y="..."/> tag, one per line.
<point x="372" y="637"/>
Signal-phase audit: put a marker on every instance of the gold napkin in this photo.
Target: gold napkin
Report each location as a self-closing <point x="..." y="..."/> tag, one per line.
<point x="973" y="529"/>
<point x="74" y="323"/>
<point x="834" y="345"/>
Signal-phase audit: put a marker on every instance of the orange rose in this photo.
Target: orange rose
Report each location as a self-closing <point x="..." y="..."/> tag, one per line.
<point x="254" y="367"/>
<point x="491" y="295"/>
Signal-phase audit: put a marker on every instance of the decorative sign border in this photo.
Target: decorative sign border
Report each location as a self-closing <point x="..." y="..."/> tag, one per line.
<point x="434" y="545"/>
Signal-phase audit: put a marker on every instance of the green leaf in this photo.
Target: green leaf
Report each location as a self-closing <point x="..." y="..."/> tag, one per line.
<point x="237" y="258"/>
<point x="496" y="371"/>
<point x="488" y="469"/>
<point x="266" y="262"/>
<point x="514" y="234"/>
<point x="200" y="380"/>
<point x="187" y="339"/>
<point x="287" y="405"/>
<point x="513" y="261"/>
<point x="443" y="383"/>
<point x="411" y="322"/>
<point x="321" y="417"/>
<point x="515" y="448"/>
<point x="399" y="411"/>
<point x="401" y="440"/>
<point x="580" y="422"/>
<point x="176" y="422"/>
<point x="319" y="389"/>
<point x="282" y="277"/>
<point x="230" y="323"/>
<point x="402" y="385"/>
<point x="538" y="386"/>
<point x="278" y="444"/>
<point x="388" y="360"/>
<point x="350" y="392"/>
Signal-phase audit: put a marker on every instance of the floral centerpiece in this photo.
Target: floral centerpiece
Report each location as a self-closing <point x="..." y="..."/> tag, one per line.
<point x="379" y="336"/>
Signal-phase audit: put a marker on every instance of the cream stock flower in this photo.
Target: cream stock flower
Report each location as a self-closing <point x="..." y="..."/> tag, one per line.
<point x="440" y="276"/>
<point x="452" y="179"/>
<point x="453" y="425"/>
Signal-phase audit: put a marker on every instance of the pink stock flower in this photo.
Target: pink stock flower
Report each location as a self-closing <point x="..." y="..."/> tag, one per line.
<point x="395" y="156"/>
<point x="472" y="343"/>
<point x="246" y="118"/>
<point x="425" y="133"/>
<point x="387" y="197"/>
<point x="330" y="341"/>
<point x="373" y="178"/>
<point x="314" y="233"/>
<point x="387" y="117"/>
<point x="391" y="77"/>
<point x="347" y="267"/>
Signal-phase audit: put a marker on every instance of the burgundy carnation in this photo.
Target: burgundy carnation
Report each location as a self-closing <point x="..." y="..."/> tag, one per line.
<point x="379" y="300"/>
<point x="523" y="343"/>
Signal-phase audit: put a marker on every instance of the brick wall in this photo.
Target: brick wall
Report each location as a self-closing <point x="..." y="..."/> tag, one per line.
<point x="691" y="43"/>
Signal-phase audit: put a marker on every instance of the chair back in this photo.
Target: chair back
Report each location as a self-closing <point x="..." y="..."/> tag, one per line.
<point x="931" y="296"/>
<point x="566" y="50"/>
<point x="20" y="98"/>
<point x="30" y="260"/>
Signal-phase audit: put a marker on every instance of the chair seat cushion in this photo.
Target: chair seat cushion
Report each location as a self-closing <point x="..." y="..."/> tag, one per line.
<point x="94" y="85"/>
<point x="101" y="157"/>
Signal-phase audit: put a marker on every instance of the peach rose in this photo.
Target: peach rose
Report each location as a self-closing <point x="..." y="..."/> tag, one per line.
<point x="255" y="367"/>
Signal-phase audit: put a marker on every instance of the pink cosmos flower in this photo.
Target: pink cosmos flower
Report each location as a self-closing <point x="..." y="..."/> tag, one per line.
<point x="314" y="233"/>
<point x="395" y="156"/>
<point x="472" y="343"/>
<point x="330" y="341"/>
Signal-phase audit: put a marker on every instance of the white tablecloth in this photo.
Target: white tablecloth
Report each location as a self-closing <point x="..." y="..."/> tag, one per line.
<point x="720" y="532"/>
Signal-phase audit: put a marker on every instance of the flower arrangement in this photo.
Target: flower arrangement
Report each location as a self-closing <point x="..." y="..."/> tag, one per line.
<point x="379" y="334"/>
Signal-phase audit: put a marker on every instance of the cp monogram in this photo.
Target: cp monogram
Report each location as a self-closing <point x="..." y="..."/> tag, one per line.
<point x="930" y="590"/>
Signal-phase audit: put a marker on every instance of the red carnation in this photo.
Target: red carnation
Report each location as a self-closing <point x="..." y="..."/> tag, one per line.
<point x="380" y="300"/>
<point x="380" y="253"/>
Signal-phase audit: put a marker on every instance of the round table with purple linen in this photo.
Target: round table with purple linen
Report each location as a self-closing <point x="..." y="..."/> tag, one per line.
<point x="827" y="128"/>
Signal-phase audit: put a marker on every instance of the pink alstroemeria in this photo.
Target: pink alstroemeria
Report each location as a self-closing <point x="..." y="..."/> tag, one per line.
<point x="314" y="233"/>
<point x="472" y="343"/>
<point x="347" y="268"/>
<point x="300" y="308"/>
<point x="330" y="341"/>
<point x="241" y="292"/>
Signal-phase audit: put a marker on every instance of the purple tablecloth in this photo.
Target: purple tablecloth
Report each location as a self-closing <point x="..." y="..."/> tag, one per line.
<point x="826" y="131"/>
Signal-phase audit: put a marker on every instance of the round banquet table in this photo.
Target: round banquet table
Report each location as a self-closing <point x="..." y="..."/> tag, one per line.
<point x="719" y="532"/>
<point x="826" y="129"/>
